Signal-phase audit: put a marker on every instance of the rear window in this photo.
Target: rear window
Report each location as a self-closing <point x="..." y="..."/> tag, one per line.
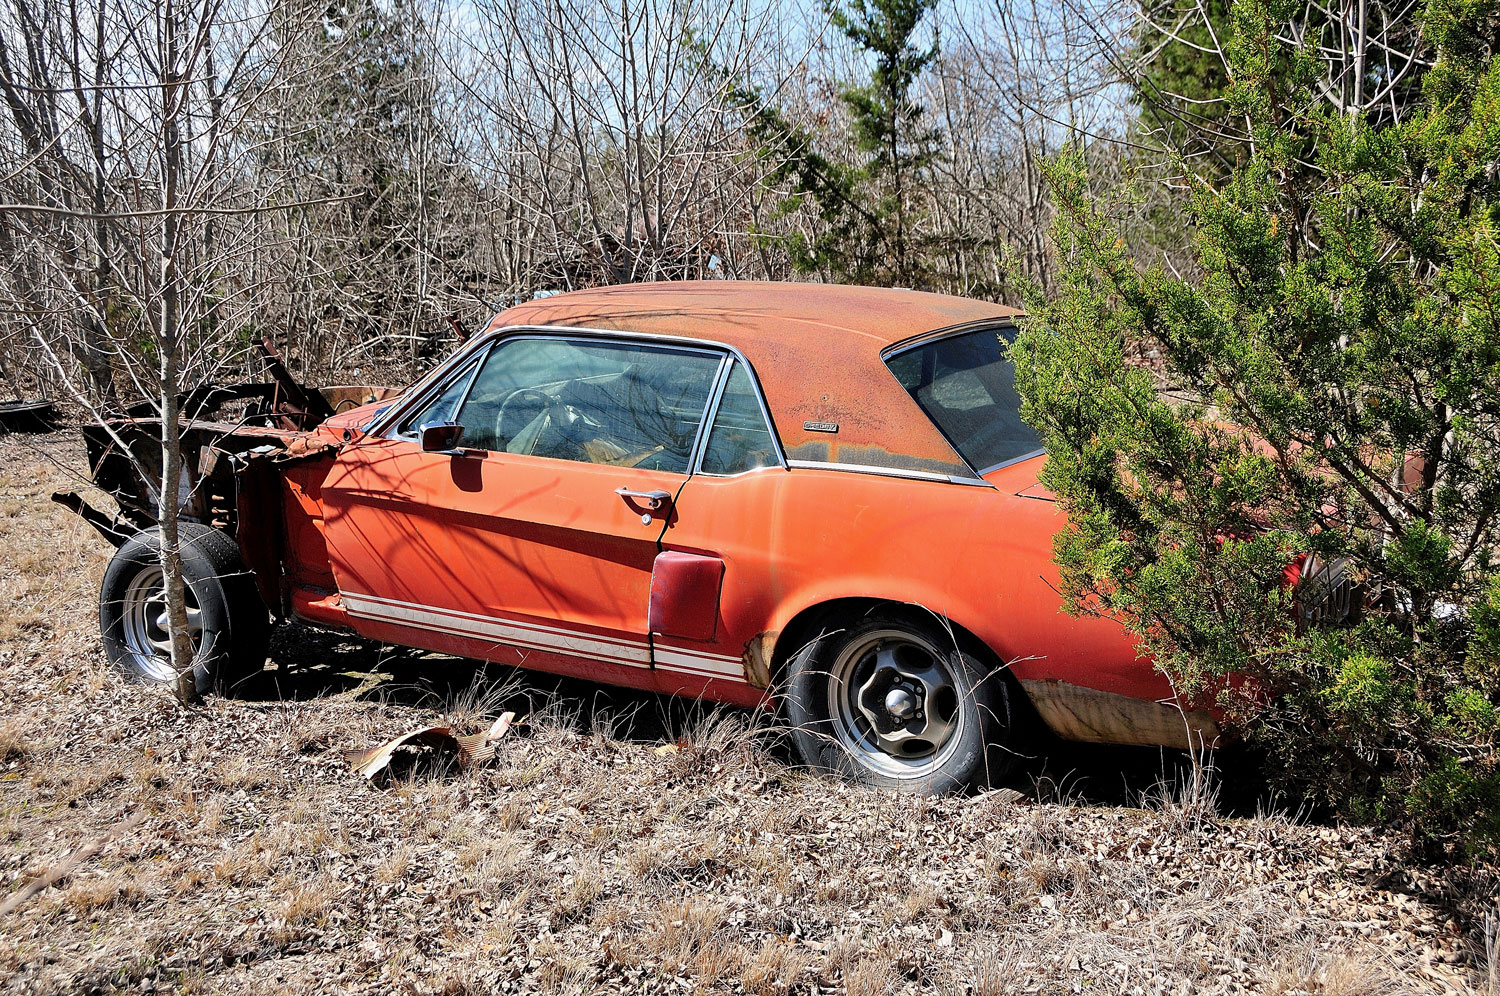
<point x="966" y="384"/>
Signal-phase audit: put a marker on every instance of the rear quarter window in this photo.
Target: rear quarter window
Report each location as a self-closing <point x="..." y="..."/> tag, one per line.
<point x="966" y="384"/>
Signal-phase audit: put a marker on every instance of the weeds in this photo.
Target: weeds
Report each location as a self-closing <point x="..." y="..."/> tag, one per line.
<point x="995" y="971"/>
<point x="1190" y="802"/>
<point x="15" y="745"/>
<point x="774" y="968"/>
<point x="1489" y="960"/>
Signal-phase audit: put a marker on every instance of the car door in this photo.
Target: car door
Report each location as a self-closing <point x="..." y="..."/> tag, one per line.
<point x="717" y="582"/>
<point x="532" y="540"/>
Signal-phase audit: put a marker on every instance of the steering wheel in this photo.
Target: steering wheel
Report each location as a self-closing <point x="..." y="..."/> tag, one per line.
<point x="517" y="411"/>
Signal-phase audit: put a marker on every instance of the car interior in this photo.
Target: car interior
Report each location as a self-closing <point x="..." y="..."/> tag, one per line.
<point x="628" y="419"/>
<point x="966" y="384"/>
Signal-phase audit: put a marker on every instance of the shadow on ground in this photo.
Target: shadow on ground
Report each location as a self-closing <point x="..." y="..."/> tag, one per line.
<point x="308" y="664"/>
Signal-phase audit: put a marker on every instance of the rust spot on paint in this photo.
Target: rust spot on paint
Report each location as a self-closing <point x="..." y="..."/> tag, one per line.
<point x="1077" y="713"/>
<point x="756" y="659"/>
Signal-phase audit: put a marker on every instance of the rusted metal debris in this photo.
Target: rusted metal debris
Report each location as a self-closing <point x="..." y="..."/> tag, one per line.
<point x="114" y="529"/>
<point x="295" y="407"/>
<point x="468" y="751"/>
<point x="221" y="446"/>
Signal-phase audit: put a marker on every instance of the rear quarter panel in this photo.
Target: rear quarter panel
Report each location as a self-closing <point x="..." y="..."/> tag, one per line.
<point x="978" y="556"/>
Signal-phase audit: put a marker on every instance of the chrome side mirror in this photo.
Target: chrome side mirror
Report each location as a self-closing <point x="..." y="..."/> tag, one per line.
<point x="440" y="437"/>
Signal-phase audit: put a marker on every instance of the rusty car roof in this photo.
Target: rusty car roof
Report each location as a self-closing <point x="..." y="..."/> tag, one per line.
<point x="816" y="349"/>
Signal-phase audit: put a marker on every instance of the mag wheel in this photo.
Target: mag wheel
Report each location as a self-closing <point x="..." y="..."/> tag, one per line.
<point x="894" y="700"/>
<point x="144" y="624"/>
<point x="227" y="622"/>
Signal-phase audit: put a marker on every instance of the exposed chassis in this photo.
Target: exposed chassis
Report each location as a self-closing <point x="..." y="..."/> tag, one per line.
<point x="236" y="442"/>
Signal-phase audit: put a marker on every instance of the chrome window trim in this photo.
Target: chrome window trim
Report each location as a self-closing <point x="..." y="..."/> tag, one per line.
<point x="421" y="390"/>
<point x="494" y="337"/>
<point x="715" y="395"/>
<point x="433" y="391"/>
<point x="914" y="475"/>
<point x="710" y="409"/>
<point x="1013" y="460"/>
<point x="707" y="475"/>
<point x="713" y="415"/>
<point x="947" y="332"/>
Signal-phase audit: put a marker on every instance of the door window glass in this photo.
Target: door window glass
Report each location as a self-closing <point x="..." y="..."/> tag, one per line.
<point x="442" y="407"/>
<point x="625" y="404"/>
<point x="740" y="439"/>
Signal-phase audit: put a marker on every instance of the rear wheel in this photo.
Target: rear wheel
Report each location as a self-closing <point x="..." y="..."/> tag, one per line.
<point x="894" y="700"/>
<point x="227" y="621"/>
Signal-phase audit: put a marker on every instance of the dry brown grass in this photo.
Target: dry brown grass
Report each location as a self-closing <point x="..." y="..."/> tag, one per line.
<point x="1333" y="975"/>
<point x="578" y="891"/>
<point x="248" y="862"/>
<point x="1488" y="961"/>
<point x="302" y="908"/>
<point x="775" y="968"/>
<point x="91" y="896"/>
<point x="394" y="866"/>
<point x="869" y="975"/>
<point x="995" y="970"/>
<point x="15" y="745"/>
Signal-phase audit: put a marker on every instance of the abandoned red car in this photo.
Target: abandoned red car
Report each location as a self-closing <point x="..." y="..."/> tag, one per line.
<point x="817" y="497"/>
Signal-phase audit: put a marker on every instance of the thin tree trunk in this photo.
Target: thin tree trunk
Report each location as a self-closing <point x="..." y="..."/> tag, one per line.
<point x="169" y="345"/>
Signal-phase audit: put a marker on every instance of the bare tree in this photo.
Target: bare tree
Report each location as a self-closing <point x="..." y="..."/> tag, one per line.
<point x="1367" y="58"/>
<point x="619" y="118"/>
<point x="128" y="223"/>
<point x="1022" y="81"/>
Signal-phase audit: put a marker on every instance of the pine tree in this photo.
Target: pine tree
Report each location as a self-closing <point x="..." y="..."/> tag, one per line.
<point x="873" y="221"/>
<point x="1340" y="357"/>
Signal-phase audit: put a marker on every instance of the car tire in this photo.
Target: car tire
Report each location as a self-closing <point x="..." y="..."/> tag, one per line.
<point x="893" y="699"/>
<point x="232" y="625"/>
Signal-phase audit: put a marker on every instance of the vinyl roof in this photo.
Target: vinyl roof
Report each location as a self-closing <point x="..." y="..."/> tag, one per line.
<point x="815" y="349"/>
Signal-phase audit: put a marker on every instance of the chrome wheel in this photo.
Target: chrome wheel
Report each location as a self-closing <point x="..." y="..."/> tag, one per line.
<point x="895" y="703"/>
<point x="146" y="630"/>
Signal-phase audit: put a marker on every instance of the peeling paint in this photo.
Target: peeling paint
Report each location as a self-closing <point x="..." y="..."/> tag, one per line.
<point x="756" y="659"/>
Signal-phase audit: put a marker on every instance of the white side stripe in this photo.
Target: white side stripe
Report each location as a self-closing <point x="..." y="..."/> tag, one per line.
<point x="535" y="636"/>
<point x="674" y="659"/>
<point x="481" y="627"/>
<point x="388" y="604"/>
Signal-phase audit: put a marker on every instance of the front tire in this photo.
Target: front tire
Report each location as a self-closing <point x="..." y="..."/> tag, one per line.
<point x="227" y="619"/>
<point x="893" y="700"/>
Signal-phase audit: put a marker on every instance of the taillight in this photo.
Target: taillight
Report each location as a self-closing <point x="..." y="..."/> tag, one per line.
<point x="1325" y="593"/>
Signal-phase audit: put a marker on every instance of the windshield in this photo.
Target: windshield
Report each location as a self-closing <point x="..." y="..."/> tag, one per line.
<point x="966" y="384"/>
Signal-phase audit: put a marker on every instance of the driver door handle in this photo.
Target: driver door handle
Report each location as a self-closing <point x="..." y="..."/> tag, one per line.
<point x="651" y="499"/>
<point x="654" y="502"/>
